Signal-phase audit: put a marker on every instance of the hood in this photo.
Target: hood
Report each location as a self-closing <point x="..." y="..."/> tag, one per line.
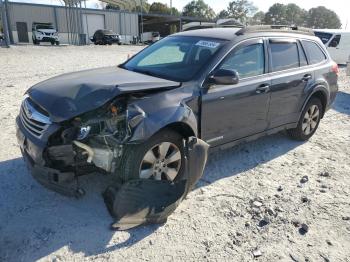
<point x="70" y="95"/>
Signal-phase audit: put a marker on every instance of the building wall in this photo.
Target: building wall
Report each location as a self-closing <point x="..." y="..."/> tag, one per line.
<point x="123" y="23"/>
<point x="30" y="14"/>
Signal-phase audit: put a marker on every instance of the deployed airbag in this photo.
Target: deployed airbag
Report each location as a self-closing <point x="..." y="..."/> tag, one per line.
<point x="144" y="201"/>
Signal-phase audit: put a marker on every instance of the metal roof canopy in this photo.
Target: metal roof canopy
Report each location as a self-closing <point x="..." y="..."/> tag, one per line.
<point x="152" y="18"/>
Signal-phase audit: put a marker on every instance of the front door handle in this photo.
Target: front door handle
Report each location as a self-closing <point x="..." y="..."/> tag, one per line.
<point x="306" y="78"/>
<point x="264" y="88"/>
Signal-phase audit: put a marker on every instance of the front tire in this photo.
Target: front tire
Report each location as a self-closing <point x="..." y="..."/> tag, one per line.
<point x="159" y="158"/>
<point x="309" y="121"/>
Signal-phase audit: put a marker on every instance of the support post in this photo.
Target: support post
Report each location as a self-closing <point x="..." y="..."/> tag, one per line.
<point x="5" y="23"/>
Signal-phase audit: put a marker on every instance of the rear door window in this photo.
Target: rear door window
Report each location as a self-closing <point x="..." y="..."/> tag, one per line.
<point x="314" y="52"/>
<point x="284" y="55"/>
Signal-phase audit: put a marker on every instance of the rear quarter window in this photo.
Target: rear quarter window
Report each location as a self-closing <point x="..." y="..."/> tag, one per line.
<point x="314" y="52"/>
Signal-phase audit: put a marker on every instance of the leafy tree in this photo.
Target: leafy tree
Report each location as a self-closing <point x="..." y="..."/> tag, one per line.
<point x="295" y="15"/>
<point x="241" y="9"/>
<point x="198" y="8"/>
<point x="257" y="19"/>
<point x="113" y="7"/>
<point x="130" y="6"/>
<point x="160" y="8"/>
<point x="276" y="15"/>
<point x="321" y="17"/>
<point x="222" y="14"/>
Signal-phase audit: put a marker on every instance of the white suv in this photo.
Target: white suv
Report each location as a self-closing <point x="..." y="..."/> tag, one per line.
<point x="44" y="32"/>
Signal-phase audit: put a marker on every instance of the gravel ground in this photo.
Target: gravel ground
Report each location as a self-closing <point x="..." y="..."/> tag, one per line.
<point x="269" y="200"/>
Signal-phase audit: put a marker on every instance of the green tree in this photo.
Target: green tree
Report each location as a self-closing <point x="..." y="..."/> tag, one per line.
<point x="160" y="8"/>
<point x="198" y="8"/>
<point x="295" y="15"/>
<point x="223" y="14"/>
<point x="321" y="17"/>
<point x="257" y="19"/>
<point x="133" y="5"/>
<point x="241" y="9"/>
<point x="276" y="15"/>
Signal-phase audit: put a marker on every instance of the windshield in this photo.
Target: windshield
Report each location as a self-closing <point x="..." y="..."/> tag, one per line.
<point x="177" y="58"/>
<point x="323" y="36"/>
<point x="44" y="27"/>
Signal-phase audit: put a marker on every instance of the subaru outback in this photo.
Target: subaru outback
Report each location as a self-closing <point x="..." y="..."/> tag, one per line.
<point x="222" y="85"/>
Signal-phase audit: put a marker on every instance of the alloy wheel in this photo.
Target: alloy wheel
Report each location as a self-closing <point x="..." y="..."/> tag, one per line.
<point x="311" y="119"/>
<point x="162" y="162"/>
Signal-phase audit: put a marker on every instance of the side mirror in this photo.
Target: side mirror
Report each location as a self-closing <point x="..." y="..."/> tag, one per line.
<point x="92" y="39"/>
<point x="225" y="77"/>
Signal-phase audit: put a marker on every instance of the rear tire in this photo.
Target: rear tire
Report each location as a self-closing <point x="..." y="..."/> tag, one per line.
<point x="309" y="121"/>
<point x="134" y="163"/>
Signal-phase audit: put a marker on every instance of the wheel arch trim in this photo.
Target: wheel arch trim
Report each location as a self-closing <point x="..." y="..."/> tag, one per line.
<point x="181" y="119"/>
<point x="321" y="92"/>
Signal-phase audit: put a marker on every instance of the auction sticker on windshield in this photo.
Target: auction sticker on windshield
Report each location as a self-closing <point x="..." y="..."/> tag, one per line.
<point x="209" y="44"/>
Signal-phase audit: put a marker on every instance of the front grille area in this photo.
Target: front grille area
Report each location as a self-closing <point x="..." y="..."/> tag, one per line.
<point x="34" y="121"/>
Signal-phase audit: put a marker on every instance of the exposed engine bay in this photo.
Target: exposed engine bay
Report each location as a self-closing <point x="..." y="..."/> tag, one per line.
<point x="95" y="139"/>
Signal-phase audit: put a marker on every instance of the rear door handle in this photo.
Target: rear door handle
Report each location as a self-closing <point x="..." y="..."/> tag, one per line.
<point x="306" y="77"/>
<point x="264" y="88"/>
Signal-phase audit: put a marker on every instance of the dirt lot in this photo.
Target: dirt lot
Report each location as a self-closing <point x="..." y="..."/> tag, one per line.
<point x="250" y="202"/>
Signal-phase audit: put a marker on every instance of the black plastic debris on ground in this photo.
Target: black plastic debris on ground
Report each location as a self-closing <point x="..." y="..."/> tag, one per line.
<point x="143" y="201"/>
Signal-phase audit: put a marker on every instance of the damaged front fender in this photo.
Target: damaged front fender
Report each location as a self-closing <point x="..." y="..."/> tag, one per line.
<point x="172" y="107"/>
<point x="145" y="201"/>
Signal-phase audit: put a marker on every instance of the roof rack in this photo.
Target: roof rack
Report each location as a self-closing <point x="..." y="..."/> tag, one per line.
<point x="276" y="28"/>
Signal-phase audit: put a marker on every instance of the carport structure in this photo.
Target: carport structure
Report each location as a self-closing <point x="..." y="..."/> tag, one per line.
<point x="167" y="24"/>
<point x="148" y="22"/>
<point x="75" y="23"/>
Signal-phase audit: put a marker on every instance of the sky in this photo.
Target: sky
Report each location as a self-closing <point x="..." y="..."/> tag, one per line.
<point x="341" y="7"/>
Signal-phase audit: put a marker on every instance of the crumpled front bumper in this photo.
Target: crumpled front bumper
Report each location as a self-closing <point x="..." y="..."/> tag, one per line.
<point x="32" y="151"/>
<point x="64" y="183"/>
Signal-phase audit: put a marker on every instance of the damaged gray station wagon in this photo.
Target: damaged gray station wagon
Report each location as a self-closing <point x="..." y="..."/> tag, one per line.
<point x="222" y="85"/>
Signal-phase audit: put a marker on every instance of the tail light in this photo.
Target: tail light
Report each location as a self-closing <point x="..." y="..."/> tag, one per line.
<point x="335" y="68"/>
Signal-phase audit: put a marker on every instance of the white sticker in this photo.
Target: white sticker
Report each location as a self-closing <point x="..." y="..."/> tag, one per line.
<point x="208" y="44"/>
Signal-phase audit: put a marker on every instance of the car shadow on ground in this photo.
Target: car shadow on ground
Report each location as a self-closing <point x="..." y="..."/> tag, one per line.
<point x="342" y="103"/>
<point x="35" y="222"/>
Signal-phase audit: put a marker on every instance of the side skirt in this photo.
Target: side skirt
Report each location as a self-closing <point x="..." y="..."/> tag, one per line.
<point x="253" y="137"/>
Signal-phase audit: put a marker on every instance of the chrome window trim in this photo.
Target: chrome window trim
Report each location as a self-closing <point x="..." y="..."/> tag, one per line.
<point x="324" y="62"/>
<point x="320" y="47"/>
<point x="229" y="51"/>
